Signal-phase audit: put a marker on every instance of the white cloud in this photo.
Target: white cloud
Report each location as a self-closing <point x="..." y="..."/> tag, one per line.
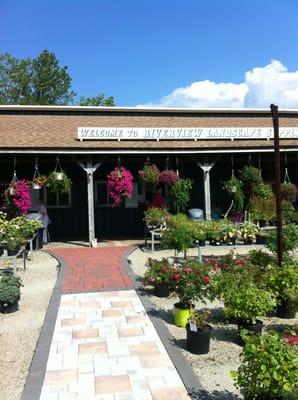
<point x="261" y="87"/>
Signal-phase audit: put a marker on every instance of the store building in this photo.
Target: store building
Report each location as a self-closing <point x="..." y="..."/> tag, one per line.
<point x="204" y="145"/>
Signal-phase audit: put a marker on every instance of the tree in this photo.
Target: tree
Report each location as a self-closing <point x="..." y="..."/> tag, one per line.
<point x="99" y="100"/>
<point x="41" y="81"/>
<point x="34" y="81"/>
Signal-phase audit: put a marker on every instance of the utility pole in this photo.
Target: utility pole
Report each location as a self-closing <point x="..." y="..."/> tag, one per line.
<point x="279" y="239"/>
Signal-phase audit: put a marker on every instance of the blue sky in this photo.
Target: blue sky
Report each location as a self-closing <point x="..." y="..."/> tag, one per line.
<point x="141" y="51"/>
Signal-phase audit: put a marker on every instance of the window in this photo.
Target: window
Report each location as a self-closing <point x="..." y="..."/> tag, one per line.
<point x="101" y="194"/>
<point x="57" y="200"/>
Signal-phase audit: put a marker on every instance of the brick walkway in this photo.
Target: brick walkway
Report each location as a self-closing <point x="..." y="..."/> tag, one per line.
<point x="104" y="346"/>
<point x="94" y="269"/>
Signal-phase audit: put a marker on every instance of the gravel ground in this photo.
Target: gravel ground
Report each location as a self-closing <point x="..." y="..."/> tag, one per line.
<point x="19" y="331"/>
<point x="212" y="369"/>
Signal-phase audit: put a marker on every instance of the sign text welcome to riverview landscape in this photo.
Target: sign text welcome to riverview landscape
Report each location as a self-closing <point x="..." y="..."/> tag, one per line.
<point x="109" y="133"/>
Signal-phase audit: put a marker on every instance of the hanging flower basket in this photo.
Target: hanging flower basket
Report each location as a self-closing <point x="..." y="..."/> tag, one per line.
<point x="18" y="203"/>
<point x="120" y="184"/>
<point x="168" y="177"/>
<point x="63" y="185"/>
<point x="39" y="182"/>
<point x="149" y="174"/>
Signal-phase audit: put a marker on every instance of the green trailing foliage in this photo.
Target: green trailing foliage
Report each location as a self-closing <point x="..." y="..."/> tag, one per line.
<point x="180" y="194"/>
<point x="55" y="185"/>
<point x="234" y="187"/>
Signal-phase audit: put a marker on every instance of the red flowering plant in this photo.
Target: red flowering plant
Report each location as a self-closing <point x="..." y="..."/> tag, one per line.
<point x="120" y="184"/>
<point x="18" y="203"/>
<point x="158" y="272"/>
<point x="40" y="180"/>
<point x="168" y="177"/>
<point x="190" y="282"/>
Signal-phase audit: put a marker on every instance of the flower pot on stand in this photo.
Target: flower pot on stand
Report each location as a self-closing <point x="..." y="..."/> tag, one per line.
<point x="254" y="328"/>
<point x="198" y="341"/>
<point x="13" y="252"/>
<point x="161" y="290"/>
<point x="181" y="315"/>
<point x="285" y="310"/>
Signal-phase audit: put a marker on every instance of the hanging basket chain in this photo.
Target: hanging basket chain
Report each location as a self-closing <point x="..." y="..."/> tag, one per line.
<point x="286" y="177"/>
<point x="58" y="167"/>
<point x="36" y="171"/>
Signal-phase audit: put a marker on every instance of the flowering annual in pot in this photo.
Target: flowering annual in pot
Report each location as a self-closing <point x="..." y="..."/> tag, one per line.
<point x="269" y="368"/>
<point x="156" y="217"/>
<point x="168" y="177"/>
<point x="40" y="180"/>
<point x="190" y="282"/>
<point x="149" y="174"/>
<point x="120" y="184"/>
<point x="158" y="271"/>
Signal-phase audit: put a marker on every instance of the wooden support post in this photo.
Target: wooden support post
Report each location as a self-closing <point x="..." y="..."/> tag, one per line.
<point x="89" y="168"/>
<point x="206" y="168"/>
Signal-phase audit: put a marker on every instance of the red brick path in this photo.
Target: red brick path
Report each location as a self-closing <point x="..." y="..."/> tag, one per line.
<point x="94" y="269"/>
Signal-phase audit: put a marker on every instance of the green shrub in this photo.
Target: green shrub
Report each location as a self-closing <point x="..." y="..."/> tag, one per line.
<point x="269" y="368"/>
<point x="180" y="194"/>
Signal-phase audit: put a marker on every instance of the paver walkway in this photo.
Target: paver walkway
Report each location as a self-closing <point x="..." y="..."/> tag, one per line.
<point x="104" y="345"/>
<point x="92" y="269"/>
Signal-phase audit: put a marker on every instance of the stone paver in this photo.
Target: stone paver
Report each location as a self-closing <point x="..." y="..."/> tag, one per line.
<point x="105" y="348"/>
<point x="94" y="269"/>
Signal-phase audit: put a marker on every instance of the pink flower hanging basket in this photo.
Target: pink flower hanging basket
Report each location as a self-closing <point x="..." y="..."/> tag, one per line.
<point x="120" y="184"/>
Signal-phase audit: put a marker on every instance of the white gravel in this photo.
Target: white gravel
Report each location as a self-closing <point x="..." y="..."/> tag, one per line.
<point x="19" y="331"/>
<point x="212" y="369"/>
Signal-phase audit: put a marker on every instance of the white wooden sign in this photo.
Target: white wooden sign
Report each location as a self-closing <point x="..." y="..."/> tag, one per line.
<point x="108" y="133"/>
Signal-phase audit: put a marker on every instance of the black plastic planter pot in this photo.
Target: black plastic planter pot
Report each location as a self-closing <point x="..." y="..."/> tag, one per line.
<point x="285" y="310"/>
<point x="198" y="342"/>
<point x="261" y="239"/>
<point x="7" y="308"/>
<point x="161" y="290"/>
<point x="1" y="250"/>
<point x="13" y="252"/>
<point x="255" y="329"/>
<point x="202" y="243"/>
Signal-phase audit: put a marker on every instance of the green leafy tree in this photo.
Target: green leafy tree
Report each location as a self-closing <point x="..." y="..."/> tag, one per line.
<point x="99" y="100"/>
<point x="34" y="81"/>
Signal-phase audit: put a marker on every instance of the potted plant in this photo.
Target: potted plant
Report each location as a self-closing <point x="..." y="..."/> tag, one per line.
<point x="213" y="232"/>
<point x="62" y="185"/>
<point x="198" y="332"/>
<point x="229" y="233"/>
<point x="149" y="174"/>
<point x="177" y="237"/>
<point x="245" y="301"/>
<point x="262" y="237"/>
<point x="168" y="177"/>
<point x="289" y="192"/>
<point x="234" y="187"/>
<point x="39" y="182"/>
<point x="189" y="283"/>
<point x="283" y="281"/>
<point x="263" y="191"/>
<point x="156" y="218"/>
<point x="159" y="274"/>
<point x="9" y="294"/>
<point x="269" y="368"/>
<point x="248" y="231"/>
<point x="120" y="185"/>
<point x="290" y="240"/>
<point x="180" y="194"/>
<point x="19" y="203"/>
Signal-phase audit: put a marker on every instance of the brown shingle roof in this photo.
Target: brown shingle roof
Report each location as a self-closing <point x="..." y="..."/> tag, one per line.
<point x="56" y="127"/>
